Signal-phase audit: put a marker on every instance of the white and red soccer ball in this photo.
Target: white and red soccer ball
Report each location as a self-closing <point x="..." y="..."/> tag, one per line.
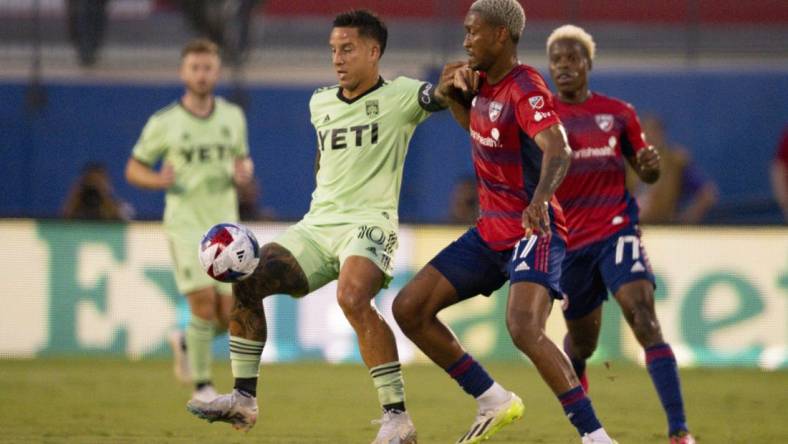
<point x="229" y="252"/>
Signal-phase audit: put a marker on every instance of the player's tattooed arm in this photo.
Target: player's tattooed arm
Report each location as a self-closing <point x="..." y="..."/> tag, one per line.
<point x="277" y="273"/>
<point x="555" y="163"/>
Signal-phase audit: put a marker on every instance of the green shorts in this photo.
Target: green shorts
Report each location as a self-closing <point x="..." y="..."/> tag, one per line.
<point x="189" y="275"/>
<point x="322" y="249"/>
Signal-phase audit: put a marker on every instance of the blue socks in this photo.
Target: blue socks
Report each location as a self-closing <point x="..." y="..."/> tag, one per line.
<point x="470" y="375"/>
<point x="578" y="409"/>
<point x="664" y="373"/>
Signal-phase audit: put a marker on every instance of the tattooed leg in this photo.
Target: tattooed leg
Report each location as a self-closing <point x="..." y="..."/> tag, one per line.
<point x="277" y="273"/>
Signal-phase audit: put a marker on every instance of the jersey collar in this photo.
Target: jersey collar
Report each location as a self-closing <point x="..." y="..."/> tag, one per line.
<point x="341" y="96"/>
<point x="206" y="117"/>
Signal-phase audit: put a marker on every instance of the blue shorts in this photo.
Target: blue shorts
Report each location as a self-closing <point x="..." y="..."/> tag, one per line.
<point x="474" y="268"/>
<point x="590" y="272"/>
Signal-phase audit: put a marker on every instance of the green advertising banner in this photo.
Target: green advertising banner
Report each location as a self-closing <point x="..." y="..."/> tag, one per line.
<point x="93" y="288"/>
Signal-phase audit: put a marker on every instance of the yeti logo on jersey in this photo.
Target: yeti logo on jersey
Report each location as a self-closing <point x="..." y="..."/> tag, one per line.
<point x="495" y="110"/>
<point x="372" y="108"/>
<point x="604" y="121"/>
<point x="341" y="138"/>
<point x="536" y="102"/>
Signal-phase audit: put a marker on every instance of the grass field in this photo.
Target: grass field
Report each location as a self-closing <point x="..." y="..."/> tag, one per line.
<point x="118" y="401"/>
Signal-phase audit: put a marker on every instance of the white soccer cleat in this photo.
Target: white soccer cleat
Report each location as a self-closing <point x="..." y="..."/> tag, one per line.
<point x="489" y="422"/>
<point x="589" y="440"/>
<point x="395" y="428"/>
<point x="205" y="394"/>
<point x="238" y="410"/>
<point x="180" y="360"/>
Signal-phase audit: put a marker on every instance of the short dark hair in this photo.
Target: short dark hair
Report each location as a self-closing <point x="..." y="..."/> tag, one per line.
<point x="367" y="23"/>
<point x="200" y="46"/>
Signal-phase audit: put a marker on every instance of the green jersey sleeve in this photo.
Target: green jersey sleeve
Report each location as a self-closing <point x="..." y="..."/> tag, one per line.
<point x="416" y="98"/>
<point x="152" y="144"/>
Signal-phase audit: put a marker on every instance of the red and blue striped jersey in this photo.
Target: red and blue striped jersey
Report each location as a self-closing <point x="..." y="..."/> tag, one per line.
<point x="504" y="119"/>
<point x="594" y="196"/>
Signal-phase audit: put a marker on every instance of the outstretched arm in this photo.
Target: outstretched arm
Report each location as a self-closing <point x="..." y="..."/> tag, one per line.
<point x="555" y="163"/>
<point x="143" y="176"/>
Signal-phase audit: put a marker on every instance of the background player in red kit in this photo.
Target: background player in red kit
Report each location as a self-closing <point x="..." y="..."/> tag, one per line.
<point x="604" y="250"/>
<point x="520" y="155"/>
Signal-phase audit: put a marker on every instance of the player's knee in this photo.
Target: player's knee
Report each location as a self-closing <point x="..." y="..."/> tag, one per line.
<point x="646" y="326"/>
<point x="639" y="312"/>
<point x="583" y="348"/>
<point x="526" y="331"/>
<point x="406" y="312"/>
<point x="353" y="299"/>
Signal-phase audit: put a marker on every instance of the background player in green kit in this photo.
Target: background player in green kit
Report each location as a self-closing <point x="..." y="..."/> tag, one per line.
<point x="201" y="141"/>
<point x="363" y="127"/>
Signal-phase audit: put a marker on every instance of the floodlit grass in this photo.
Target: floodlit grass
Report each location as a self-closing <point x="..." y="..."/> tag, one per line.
<point x="118" y="401"/>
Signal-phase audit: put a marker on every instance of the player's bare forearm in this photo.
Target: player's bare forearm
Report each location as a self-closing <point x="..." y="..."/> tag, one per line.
<point x="555" y="161"/>
<point x="143" y="176"/>
<point x="461" y="114"/>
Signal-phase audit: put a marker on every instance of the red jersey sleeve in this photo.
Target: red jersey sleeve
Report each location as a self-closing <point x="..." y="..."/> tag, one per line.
<point x="534" y="109"/>
<point x="633" y="133"/>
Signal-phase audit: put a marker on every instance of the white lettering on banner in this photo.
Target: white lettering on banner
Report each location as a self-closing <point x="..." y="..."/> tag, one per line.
<point x="721" y="297"/>
<point x="24" y="292"/>
<point x="133" y="303"/>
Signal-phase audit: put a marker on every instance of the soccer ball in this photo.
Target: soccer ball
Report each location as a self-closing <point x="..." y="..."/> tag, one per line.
<point x="229" y="252"/>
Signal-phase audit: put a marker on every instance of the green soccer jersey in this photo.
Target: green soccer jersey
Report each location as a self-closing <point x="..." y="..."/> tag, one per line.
<point x="362" y="145"/>
<point x="202" y="152"/>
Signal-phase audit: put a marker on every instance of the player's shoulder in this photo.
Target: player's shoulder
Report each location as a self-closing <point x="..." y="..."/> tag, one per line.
<point x="166" y="111"/>
<point x="325" y="91"/>
<point x="527" y="75"/>
<point x="527" y="80"/>
<point x="403" y="82"/>
<point x="226" y="107"/>
<point x="611" y="104"/>
<point x="323" y="96"/>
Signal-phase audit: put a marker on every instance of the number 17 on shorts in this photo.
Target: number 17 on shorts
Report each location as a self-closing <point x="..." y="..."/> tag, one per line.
<point x="538" y="259"/>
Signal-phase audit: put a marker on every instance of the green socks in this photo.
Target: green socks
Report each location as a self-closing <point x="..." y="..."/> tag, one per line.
<point x="199" y="341"/>
<point x="389" y="384"/>
<point x="245" y="357"/>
